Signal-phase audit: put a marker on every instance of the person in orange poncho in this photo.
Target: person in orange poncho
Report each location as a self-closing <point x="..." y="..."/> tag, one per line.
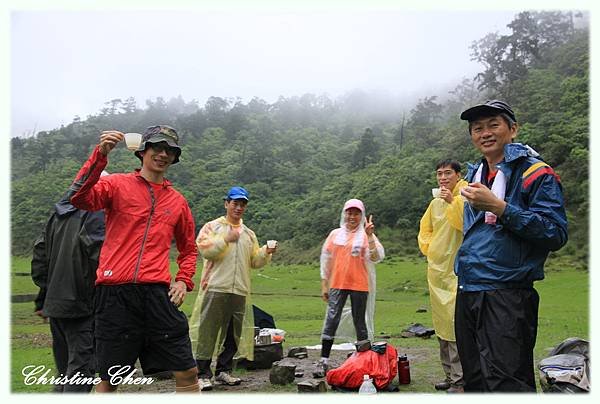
<point x="347" y="259"/>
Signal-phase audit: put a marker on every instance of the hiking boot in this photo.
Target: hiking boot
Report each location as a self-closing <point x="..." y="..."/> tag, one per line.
<point x="227" y="379"/>
<point x="445" y="385"/>
<point x="205" y="384"/>
<point x="455" y="389"/>
<point x="321" y="369"/>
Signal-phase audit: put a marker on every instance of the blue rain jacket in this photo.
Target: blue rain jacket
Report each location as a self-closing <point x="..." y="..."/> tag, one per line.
<point x="511" y="253"/>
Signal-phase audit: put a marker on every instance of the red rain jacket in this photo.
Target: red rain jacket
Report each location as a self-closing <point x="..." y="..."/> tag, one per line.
<point x="140" y="226"/>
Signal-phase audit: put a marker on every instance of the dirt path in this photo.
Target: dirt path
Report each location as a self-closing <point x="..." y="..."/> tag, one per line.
<point x="258" y="380"/>
<point x="252" y="380"/>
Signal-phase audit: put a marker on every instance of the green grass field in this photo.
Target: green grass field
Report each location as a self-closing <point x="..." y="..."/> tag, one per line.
<point x="290" y="293"/>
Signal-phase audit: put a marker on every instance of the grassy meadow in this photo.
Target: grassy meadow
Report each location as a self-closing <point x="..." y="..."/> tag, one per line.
<point x="290" y="293"/>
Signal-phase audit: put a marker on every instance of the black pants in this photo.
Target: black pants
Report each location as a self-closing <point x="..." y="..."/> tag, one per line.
<point x="335" y="305"/>
<point x="496" y="332"/>
<point x="73" y="350"/>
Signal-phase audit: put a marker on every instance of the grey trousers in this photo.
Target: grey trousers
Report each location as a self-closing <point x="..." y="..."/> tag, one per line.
<point x="451" y="362"/>
<point x="221" y="323"/>
<point x="336" y="302"/>
<point x="73" y="350"/>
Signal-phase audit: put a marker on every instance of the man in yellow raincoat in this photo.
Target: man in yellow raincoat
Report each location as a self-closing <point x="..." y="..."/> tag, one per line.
<point x="222" y="320"/>
<point x="440" y="236"/>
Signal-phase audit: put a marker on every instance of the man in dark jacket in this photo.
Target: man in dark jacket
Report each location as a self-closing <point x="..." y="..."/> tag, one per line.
<point x="65" y="258"/>
<point x="514" y="217"/>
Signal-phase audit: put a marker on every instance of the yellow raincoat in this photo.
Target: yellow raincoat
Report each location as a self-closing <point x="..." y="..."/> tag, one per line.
<point x="440" y="236"/>
<point x="226" y="270"/>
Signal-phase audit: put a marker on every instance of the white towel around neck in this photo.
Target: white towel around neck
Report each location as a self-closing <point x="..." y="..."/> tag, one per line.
<point x="498" y="189"/>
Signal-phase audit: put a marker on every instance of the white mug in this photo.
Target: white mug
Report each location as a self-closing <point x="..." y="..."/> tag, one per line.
<point x="133" y="140"/>
<point x="436" y="192"/>
<point x="271" y="243"/>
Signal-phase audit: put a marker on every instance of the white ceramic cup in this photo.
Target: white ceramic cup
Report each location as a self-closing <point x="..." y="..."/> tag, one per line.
<point x="271" y="243"/>
<point x="133" y="140"/>
<point x="436" y="192"/>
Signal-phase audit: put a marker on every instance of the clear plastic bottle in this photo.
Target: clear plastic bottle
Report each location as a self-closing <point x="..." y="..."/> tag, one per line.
<point x="367" y="386"/>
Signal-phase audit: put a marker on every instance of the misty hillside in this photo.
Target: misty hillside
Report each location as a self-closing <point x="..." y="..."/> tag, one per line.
<point x="302" y="157"/>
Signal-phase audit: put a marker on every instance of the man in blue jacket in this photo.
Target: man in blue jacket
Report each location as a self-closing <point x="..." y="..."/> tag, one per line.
<point x="514" y="217"/>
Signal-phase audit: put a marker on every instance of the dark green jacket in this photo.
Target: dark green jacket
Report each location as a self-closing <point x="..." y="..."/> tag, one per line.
<point x="65" y="258"/>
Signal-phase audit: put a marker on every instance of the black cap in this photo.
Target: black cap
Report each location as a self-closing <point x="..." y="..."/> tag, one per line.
<point x="490" y="108"/>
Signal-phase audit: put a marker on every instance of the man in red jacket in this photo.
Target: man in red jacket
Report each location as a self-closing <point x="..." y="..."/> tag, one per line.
<point x="136" y="306"/>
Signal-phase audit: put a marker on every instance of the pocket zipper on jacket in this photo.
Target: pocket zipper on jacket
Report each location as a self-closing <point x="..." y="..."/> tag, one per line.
<point x="139" y="261"/>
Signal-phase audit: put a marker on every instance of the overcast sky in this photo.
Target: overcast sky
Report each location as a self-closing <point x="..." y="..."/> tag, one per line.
<point x="67" y="63"/>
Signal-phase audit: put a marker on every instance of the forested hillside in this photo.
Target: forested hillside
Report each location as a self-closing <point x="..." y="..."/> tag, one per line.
<point x="302" y="157"/>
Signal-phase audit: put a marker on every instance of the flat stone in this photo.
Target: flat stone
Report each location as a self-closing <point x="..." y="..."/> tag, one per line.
<point x="312" y="386"/>
<point x="294" y="351"/>
<point x="282" y="373"/>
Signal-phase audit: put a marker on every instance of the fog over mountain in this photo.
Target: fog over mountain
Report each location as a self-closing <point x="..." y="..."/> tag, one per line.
<point x="69" y="63"/>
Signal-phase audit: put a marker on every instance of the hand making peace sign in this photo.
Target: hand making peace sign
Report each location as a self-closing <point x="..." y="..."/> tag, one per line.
<point x="369" y="226"/>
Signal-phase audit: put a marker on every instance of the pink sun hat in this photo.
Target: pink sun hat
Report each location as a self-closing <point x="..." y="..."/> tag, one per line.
<point x="354" y="203"/>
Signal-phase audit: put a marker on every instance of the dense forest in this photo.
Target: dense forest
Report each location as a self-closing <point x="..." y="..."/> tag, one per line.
<point x="301" y="157"/>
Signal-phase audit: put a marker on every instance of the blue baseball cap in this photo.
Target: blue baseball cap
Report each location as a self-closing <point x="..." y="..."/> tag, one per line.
<point x="237" y="193"/>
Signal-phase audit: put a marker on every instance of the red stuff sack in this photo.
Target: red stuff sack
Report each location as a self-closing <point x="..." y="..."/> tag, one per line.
<point x="382" y="368"/>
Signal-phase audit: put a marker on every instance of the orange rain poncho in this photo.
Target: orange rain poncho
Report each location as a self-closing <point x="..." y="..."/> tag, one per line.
<point x="346" y="330"/>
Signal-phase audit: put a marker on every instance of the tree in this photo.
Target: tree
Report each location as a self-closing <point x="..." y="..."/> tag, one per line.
<point x="129" y="106"/>
<point x="399" y="138"/>
<point x="367" y="151"/>
<point x="112" y="106"/>
<point x="507" y="58"/>
<point x="216" y="108"/>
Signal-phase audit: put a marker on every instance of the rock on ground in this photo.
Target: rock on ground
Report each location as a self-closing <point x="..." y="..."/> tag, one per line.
<point x="252" y="380"/>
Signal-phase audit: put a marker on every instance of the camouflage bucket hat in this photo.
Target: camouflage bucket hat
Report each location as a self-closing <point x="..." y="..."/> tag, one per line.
<point x="160" y="133"/>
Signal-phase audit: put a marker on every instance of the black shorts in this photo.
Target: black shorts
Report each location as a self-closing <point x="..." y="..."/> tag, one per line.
<point x="139" y="321"/>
